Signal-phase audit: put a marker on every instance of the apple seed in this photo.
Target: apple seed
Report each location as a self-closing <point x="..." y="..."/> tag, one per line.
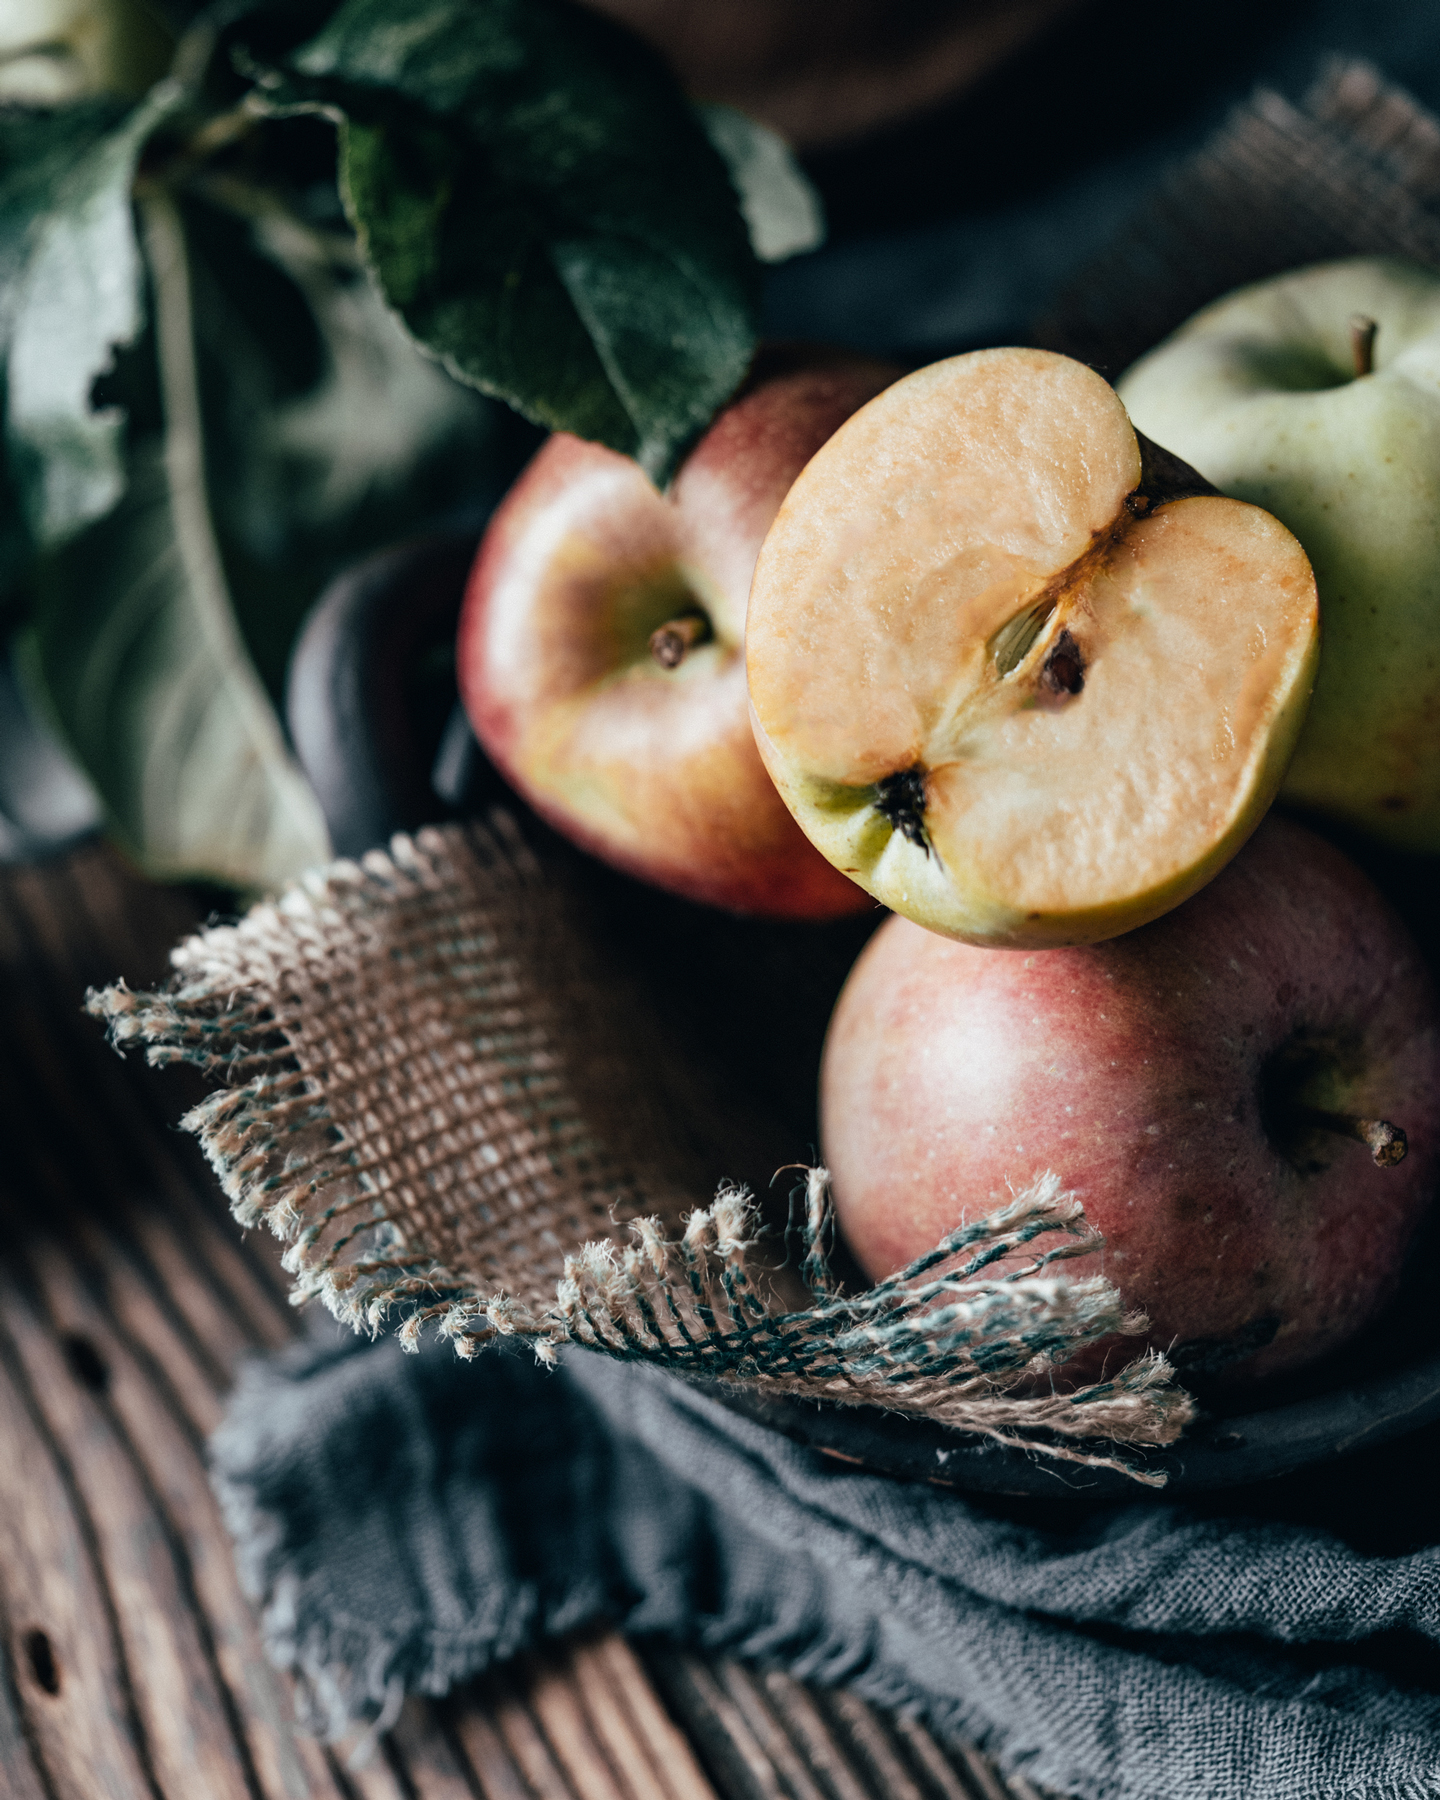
<point x="1063" y="671"/>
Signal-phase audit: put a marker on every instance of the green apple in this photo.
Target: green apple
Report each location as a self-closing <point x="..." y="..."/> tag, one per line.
<point x="1317" y="396"/>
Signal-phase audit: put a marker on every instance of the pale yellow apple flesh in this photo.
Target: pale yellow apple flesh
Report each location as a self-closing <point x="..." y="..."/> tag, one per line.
<point x="1024" y="683"/>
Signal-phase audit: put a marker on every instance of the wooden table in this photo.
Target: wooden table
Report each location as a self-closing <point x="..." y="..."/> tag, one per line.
<point x="132" y="1667"/>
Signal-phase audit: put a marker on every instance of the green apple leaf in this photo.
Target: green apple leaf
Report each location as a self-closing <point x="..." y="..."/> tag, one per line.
<point x="327" y="431"/>
<point x="37" y="151"/>
<point x="140" y="657"/>
<point x="369" y="435"/>
<point x="543" y="209"/>
<point x="75" y="298"/>
<point x="146" y="674"/>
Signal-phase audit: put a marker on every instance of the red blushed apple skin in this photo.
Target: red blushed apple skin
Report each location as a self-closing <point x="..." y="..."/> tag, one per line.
<point x="653" y="770"/>
<point x="1133" y="1068"/>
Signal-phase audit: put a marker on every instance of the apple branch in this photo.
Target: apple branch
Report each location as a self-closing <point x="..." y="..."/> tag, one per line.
<point x="1362" y="343"/>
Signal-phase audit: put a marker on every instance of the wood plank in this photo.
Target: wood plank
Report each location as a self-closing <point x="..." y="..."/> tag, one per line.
<point x="863" y="1729"/>
<point x="633" y="1694"/>
<point x="102" y="1146"/>
<point x="371" y="1775"/>
<point x="822" y="1751"/>
<point x="554" y="1701"/>
<point x="20" y="1775"/>
<point x="62" y="1638"/>
<point x="944" y="1778"/>
<point x="126" y="1299"/>
<point x="164" y="1446"/>
<point x="746" y="1690"/>
<point x="188" y="1717"/>
<point x="730" y="1752"/>
<point x="506" y="1691"/>
<point x="435" y="1768"/>
<point x="126" y="1113"/>
<point x="496" y="1774"/>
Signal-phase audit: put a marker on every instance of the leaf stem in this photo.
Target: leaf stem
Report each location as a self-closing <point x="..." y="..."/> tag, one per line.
<point x="184" y="460"/>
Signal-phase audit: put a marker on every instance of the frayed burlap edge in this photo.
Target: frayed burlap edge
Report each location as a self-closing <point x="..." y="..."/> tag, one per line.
<point x="393" y="1032"/>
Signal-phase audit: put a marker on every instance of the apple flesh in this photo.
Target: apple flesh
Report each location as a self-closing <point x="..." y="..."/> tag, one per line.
<point x="1317" y="396"/>
<point x="1022" y="676"/>
<point x="601" y="647"/>
<point x="1197" y="1084"/>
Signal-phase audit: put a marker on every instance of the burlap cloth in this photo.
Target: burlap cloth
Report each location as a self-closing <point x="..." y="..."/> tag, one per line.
<point x="463" y="1110"/>
<point x="464" y="1107"/>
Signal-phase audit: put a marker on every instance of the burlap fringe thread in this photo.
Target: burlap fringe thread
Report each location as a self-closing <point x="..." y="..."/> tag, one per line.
<point x="449" y="1112"/>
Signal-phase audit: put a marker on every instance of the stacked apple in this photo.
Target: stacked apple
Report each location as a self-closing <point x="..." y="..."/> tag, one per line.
<point x="601" y="653"/>
<point x="1031" y="682"/>
<point x="1318" y="397"/>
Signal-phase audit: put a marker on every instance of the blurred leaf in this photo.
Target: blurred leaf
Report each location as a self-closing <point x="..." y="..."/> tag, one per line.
<point x="141" y="659"/>
<point x="37" y="151"/>
<point x="544" y="210"/>
<point x="159" y="701"/>
<point x="53" y="52"/>
<point x="328" y="432"/>
<point x="75" y="298"/>
<point x="328" y="458"/>
<point x="782" y="211"/>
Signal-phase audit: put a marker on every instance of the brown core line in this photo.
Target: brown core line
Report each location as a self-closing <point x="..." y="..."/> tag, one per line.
<point x="1163" y="477"/>
<point x="672" y="642"/>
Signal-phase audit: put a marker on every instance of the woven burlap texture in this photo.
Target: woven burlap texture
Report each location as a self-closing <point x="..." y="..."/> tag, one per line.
<point x="1352" y="171"/>
<point x="459" y="1113"/>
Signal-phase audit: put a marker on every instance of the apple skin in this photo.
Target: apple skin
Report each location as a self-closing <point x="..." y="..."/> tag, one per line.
<point x="1259" y="392"/>
<point x="1148" y="1073"/>
<point x="654" y="770"/>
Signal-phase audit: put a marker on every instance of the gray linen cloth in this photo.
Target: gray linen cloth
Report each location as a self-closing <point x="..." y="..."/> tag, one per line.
<point x="405" y="1521"/>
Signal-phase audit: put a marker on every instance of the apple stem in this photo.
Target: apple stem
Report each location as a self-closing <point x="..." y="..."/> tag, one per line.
<point x="1386" y="1143"/>
<point x="1362" y="343"/>
<point x="673" y="641"/>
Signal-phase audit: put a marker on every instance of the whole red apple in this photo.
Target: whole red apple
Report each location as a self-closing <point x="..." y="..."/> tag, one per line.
<point x="1220" y="1089"/>
<point x="601" y="649"/>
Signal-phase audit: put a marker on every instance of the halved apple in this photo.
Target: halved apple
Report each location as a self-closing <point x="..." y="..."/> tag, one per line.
<point x="1021" y="674"/>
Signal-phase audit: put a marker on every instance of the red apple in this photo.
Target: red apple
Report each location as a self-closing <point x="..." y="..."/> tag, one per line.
<point x="601" y="652"/>
<point x="1194" y="1083"/>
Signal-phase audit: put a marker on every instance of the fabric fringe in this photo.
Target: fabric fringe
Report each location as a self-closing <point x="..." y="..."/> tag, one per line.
<point x="332" y="1014"/>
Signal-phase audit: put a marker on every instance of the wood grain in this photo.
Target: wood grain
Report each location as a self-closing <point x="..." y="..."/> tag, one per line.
<point x="130" y="1661"/>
